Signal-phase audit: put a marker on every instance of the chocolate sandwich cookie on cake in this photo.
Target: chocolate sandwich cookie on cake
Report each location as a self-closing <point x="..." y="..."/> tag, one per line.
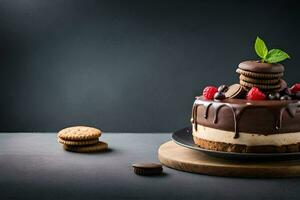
<point x="259" y="114"/>
<point x="265" y="76"/>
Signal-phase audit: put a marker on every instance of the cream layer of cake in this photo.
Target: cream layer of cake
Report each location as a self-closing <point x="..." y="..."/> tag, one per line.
<point x="248" y="139"/>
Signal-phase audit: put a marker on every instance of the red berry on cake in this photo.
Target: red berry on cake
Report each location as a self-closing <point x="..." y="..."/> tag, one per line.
<point x="255" y="94"/>
<point x="209" y="92"/>
<point x="295" y="88"/>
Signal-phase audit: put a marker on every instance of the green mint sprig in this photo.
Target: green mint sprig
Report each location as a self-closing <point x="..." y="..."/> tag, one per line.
<point x="272" y="56"/>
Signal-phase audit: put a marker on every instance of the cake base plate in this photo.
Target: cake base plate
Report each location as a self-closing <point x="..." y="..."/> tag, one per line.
<point x="181" y="158"/>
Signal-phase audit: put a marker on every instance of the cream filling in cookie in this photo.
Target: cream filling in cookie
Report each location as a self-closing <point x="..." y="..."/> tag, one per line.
<point x="217" y="135"/>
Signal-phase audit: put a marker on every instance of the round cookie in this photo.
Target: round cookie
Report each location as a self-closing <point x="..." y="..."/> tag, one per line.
<point x="259" y="75"/>
<point x="258" y="81"/>
<point x="235" y="91"/>
<point x="79" y="133"/>
<point x="267" y="91"/>
<point x="261" y="86"/>
<point x="283" y="85"/>
<point x="147" y="169"/>
<point x="100" y="146"/>
<point x="261" y="67"/>
<point x="78" y="143"/>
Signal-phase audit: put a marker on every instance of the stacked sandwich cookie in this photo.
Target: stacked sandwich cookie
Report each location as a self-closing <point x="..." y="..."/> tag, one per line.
<point x="81" y="139"/>
<point x="265" y="76"/>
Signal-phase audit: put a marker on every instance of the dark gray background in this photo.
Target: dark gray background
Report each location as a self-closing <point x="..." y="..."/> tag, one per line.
<point x="131" y="66"/>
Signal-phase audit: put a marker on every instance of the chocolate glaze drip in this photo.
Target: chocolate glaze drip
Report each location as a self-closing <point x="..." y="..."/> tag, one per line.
<point x="195" y="110"/>
<point x="292" y="109"/>
<point x="194" y="115"/>
<point x="238" y="107"/>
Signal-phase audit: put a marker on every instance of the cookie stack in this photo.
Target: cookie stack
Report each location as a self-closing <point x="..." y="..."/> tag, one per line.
<point x="81" y="139"/>
<point x="265" y="76"/>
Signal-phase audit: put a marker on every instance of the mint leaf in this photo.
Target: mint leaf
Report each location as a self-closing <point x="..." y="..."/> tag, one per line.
<point x="261" y="48"/>
<point x="276" y="55"/>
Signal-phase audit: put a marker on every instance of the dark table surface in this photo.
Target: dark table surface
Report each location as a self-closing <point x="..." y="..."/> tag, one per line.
<point x="34" y="165"/>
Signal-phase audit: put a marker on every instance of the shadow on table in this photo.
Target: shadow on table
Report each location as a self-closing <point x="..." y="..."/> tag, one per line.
<point x="108" y="151"/>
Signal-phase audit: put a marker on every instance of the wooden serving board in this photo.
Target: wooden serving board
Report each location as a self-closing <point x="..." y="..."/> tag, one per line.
<point x="181" y="158"/>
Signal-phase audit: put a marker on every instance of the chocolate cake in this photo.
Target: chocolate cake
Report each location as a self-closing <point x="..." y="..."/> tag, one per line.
<point x="258" y="115"/>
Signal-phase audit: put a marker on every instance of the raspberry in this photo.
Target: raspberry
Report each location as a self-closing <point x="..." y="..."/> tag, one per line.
<point x="255" y="94"/>
<point x="209" y="92"/>
<point x="295" y="88"/>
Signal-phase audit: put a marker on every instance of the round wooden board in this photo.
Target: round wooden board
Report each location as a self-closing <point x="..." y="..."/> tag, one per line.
<point x="184" y="159"/>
